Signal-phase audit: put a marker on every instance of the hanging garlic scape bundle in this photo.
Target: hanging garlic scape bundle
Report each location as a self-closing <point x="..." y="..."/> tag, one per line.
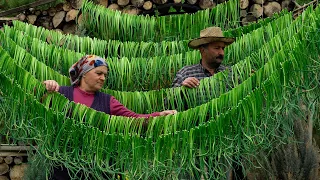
<point x="127" y="69"/>
<point x="73" y="142"/>
<point x="155" y="98"/>
<point x="107" y="24"/>
<point x="109" y="48"/>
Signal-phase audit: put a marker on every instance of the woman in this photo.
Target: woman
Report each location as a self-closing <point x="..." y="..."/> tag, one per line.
<point x="87" y="78"/>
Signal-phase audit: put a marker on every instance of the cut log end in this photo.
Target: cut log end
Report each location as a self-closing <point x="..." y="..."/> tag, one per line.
<point x="137" y="3"/>
<point x="114" y="7"/>
<point x="271" y="8"/>
<point x="104" y="3"/>
<point x="206" y="4"/>
<point x="31" y="19"/>
<point x="256" y="10"/>
<point x="123" y="2"/>
<point x="147" y="5"/>
<point x="4" y="168"/>
<point x="71" y="15"/>
<point x="244" y="4"/>
<point x="17" y="172"/>
<point x="131" y="10"/>
<point x="8" y="159"/>
<point x="58" y="18"/>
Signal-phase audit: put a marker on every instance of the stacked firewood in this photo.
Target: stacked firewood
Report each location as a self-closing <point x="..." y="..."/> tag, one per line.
<point x="62" y="17"/>
<point x="13" y="162"/>
<point x="252" y="10"/>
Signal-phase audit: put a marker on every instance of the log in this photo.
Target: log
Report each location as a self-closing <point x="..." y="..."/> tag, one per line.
<point x="8" y="159"/>
<point x="17" y="172"/>
<point x="52" y="11"/>
<point x="31" y="19"/>
<point x="79" y="20"/>
<point x="1" y="160"/>
<point x="271" y="8"/>
<point x="131" y="10"/>
<point x="59" y="7"/>
<point x="76" y="4"/>
<point x="8" y="153"/>
<point x="4" y="178"/>
<point x="137" y="3"/>
<point x="248" y="19"/>
<point x="14" y="148"/>
<point x="259" y="1"/>
<point x="243" y="13"/>
<point x="206" y="4"/>
<point x="147" y="5"/>
<point x="58" y="18"/>
<point x="66" y="7"/>
<point x="8" y="18"/>
<point x="287" y="4"/>
<point x="71" y="15"/>
<point x="123" y="2"/>
<point x="18" y="160"/>
<point x="4" y="168"/>
<point x="104" y="3"/>
<point x="192" y="1"/>
<point x="244" y="4"/>
<point x="256" y="10"/>
<point x="22" y="17"/>
<point x="69" y="28"/>
<point x="159" y="1"/>
<point x="37" y="13"/>
<point x="177" y="1"/>
<point x="44" y="13"/>
<point x="114" y="7"/>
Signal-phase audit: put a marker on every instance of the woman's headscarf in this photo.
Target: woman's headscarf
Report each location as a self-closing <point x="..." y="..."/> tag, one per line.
<point x="84" y="65"/>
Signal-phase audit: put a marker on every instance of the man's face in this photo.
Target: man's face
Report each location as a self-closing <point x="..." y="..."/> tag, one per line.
<point x="213" y="53"/>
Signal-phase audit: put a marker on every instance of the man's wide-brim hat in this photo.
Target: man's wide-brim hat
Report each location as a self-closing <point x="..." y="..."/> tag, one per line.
<point x="208" y="35"/>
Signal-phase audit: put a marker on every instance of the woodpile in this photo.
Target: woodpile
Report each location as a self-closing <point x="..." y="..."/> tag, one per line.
<point x="252" y="10"/>
<point x="65" y="17"/>
<point x="62" y="17"/>
<point x="13" y="162"/>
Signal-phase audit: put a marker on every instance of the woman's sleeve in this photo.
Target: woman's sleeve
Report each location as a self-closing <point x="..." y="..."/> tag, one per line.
<point x="118" y="109"/>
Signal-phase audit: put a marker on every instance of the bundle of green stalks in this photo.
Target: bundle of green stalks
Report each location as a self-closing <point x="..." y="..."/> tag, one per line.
<point x="228" y="119"/>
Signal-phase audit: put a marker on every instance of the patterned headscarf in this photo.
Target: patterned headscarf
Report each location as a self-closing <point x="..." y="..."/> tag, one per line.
<point x="84" y="65"/>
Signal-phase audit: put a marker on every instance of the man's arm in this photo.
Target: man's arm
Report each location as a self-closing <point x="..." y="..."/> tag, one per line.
<point x="180" y="80"/>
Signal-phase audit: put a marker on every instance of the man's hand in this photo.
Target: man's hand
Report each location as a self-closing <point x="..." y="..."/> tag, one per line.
<point x="51" y="85"/>
<point x="167" y="112"/>
<point x="191" y="82"/>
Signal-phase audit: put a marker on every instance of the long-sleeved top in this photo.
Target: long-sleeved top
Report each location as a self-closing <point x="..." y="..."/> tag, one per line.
<point x="197" y="71"/>
<point x="116" y="108"/>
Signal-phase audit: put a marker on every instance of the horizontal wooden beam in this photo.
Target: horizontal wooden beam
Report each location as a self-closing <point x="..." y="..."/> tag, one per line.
<point x="15" y="148"/>
<point x="8" y="18"/>
<point x="24" y="7"/>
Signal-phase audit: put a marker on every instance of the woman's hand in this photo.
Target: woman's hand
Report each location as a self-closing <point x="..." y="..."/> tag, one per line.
<point x="51" y="85"/>
<point x="167" y="112"/>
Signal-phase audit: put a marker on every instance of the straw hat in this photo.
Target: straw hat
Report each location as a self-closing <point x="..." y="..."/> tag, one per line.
<point x="208" y="35"/>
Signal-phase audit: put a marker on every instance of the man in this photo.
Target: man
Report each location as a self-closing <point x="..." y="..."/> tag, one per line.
<point x="211" y="45"/>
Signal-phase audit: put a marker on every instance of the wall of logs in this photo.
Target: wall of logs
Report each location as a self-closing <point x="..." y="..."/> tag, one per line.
<point x="64" y="17"/>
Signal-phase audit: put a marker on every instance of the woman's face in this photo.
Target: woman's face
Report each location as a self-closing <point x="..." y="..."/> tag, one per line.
<point x="93" y="80"/>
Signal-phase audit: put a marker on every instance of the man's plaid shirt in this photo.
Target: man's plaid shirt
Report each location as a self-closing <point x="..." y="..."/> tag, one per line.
<point x="197" y="71"/>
